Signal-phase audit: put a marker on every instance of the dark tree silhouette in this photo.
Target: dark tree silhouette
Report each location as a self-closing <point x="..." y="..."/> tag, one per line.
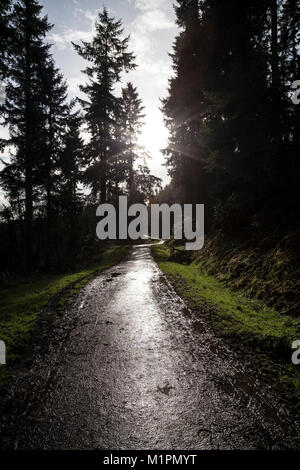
<point x="5" y="36"/>
<point x="233" y="128"/>
<point x="23" y="107"/>
<point x="109" y="57"/>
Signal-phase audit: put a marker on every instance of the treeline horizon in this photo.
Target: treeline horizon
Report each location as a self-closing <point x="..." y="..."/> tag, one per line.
<point x="49" y="221"/>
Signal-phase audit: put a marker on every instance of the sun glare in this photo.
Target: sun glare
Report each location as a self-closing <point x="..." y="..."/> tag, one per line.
<point x="154" y="136"/>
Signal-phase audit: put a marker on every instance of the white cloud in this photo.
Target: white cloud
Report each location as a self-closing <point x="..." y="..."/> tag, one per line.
<point x="141" y="44"/>
<point x="150" y="4"/>
<point x="63" y="41"/>
<point x="4" y="134"/>
<point x="157" y="73"/>
<point x="153" y="15"/>
<point x="74" y="83"/>
<point x="88" y="14"/>
<point x="154" y="20"/>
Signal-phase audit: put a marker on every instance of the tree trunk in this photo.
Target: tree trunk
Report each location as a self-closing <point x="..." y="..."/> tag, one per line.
<point x="28" y="155"/>
<point x="49" y="227"/>
<point x="103" y="189"/>
<point x="131" y="182"/>
<point x="103" y="166"/>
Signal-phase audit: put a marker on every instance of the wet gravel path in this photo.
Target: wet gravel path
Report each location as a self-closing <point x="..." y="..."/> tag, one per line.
<point x="137" y="370"/>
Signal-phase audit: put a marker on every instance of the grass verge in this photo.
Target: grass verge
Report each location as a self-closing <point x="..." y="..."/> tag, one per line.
<point x="21" y="305"/>
<point x="244" y="322"/>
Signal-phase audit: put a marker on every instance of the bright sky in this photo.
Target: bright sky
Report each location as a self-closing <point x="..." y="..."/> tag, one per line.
<point x="151" y="25"/>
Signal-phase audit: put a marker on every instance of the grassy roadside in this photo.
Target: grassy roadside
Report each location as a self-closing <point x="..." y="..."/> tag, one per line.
<point x="242" y="321"/>
<point x="20" y="306"/>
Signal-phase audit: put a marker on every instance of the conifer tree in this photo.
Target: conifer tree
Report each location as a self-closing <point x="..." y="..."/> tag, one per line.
<point x="217" y="108"/>
<point x="289" y="27"/>
<point x="109" y="58"/>
<point x="182" y="115"/>
<point x="5" y="36"/>
<point x="23" y="110"/>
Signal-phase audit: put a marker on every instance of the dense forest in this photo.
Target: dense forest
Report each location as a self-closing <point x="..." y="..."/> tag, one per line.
<point x="53" y="180"/>
<point x="234" y="129"/>
<point x="234" y="138"/>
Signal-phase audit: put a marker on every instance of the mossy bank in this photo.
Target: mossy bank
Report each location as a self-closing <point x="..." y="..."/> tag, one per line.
<point x="245" y="322"/>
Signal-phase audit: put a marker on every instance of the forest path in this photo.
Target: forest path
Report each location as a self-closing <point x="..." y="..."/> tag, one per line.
<point x="140" y="371"/>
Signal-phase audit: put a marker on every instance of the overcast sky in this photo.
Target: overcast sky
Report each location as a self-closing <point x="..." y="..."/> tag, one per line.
<point x="151" y="25"/>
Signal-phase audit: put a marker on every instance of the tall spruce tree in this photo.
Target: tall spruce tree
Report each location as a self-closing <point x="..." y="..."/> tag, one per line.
<point x="109" y="58"/>
<point x="5" y="36"/>
<point x="217" y="110"/>
<point x="183" y="106"/>
<point x="23" y="109"/>
<point x="289" y="27"/>
<point x="276" y="85"/>
<point x="235" y="130"/>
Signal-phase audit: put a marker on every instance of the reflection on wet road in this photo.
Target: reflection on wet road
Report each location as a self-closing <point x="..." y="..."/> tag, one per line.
<point x="141" y="372"/>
